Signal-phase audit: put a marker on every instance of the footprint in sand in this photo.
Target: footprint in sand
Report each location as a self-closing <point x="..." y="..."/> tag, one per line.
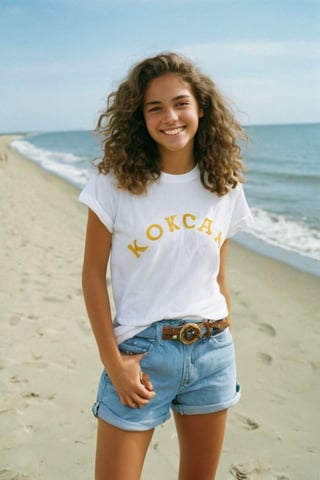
<point x="241" y="472"/>
<point x="248" y="472"/>
<point x="36" y="397"/>
<point x="31" y="395"/>
<point x="267" y="329"/>
<point x="53" y="299"/>
<point x="16" y="379"/>
<point x="265" y="358"/>
<point x="9" y="475"/>
<point x="246" y="422"/>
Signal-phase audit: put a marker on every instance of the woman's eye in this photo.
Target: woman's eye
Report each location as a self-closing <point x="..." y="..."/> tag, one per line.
<point x="154" y="109"/>
<point x="183" y="104"/>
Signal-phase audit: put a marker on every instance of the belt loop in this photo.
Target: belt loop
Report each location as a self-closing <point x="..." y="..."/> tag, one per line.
<point x="208" y="330"/>
<point x="159" y="327"/>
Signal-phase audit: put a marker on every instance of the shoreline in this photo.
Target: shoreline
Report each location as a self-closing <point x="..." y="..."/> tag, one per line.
<point x="292" y="258"/>
<point x="49" y="362"/>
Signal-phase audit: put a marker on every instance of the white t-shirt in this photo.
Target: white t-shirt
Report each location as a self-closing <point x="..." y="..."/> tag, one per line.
<point x="165" y="247"/>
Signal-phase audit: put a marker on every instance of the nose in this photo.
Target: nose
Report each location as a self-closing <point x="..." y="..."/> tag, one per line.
<point x="170" y="115"/>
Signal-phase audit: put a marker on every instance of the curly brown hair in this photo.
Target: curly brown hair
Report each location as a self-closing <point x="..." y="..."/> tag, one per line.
<point x="132" y="155"/>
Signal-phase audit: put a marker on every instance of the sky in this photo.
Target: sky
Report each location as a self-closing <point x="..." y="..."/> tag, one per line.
<point x="59" y="59"/>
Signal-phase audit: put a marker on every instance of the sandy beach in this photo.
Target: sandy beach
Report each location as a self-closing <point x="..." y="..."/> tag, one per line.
<point x="49" y="364"/>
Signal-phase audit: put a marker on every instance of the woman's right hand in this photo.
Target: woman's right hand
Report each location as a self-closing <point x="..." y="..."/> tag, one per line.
<point x="133" y="386"/>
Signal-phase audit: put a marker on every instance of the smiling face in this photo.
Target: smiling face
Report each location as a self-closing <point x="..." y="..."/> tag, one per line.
<point x="172" y="114"/>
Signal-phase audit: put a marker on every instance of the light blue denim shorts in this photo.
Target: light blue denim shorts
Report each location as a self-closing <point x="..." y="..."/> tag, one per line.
<point x="189" y="379"/>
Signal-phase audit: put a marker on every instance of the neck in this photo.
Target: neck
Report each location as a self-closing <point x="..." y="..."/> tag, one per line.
<point x="177" y="163"/>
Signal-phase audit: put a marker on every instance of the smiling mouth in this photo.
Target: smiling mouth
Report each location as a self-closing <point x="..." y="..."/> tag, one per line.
<point x="174" y="131"/>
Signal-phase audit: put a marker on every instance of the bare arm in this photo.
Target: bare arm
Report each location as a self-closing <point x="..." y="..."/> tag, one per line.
<point x="221" y="278"/>
<point x="96" y="256"/>
<point x="124" y="371"/>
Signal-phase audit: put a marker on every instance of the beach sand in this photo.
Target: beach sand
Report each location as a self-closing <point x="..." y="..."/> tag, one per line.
<point x="49" y="364"/>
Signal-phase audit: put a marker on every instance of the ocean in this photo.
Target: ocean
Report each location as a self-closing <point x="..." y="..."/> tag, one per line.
<point x="282" y="184"/>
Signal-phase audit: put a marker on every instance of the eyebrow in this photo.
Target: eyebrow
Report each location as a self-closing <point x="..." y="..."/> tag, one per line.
<point x="157" y="102"/>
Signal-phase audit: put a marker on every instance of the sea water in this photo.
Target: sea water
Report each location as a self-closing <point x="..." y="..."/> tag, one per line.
<point x="282" y="184"/>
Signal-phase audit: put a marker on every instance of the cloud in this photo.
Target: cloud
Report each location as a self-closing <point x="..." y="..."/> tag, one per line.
<point x="267" y="80"/>
<point x="289" y="49"/>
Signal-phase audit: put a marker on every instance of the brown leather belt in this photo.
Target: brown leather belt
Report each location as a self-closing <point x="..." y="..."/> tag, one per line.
<point x="192" y="332"/>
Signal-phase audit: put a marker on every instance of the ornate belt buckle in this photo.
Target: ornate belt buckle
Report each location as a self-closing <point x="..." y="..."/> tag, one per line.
<point x="189" y="333"/>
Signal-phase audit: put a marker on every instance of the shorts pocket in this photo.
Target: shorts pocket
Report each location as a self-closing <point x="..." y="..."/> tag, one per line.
<point x="136" y="346"/>
<point x="222" y="339"/>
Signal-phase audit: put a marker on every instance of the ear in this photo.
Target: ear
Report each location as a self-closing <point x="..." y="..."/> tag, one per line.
<point x="201" y="113"/>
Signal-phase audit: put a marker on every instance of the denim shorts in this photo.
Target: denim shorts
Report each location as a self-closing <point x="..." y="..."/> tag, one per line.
<point x="189" y="379"/>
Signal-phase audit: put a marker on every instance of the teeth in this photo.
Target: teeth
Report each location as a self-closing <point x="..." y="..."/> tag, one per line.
<point x="173" y="132"/>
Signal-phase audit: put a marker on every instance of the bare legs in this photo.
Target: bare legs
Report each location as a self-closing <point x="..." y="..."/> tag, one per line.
<point x="200" y="440"/>
<point x="120" y="454"/>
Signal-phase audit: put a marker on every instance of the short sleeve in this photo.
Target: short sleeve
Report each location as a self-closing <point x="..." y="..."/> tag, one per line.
<point x="100" y="195"/>
<point x="241" y="215"/>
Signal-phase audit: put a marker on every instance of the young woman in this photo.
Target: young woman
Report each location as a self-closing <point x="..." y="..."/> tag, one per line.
<point x="163" y="203"/>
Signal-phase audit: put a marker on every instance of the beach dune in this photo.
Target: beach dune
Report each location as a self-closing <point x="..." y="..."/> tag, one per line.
<point x="49" y="364"/>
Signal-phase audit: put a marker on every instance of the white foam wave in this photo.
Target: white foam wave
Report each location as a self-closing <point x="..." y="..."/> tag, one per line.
<point x="271" y="228"/>
<point x="40" y="155"/>
<point x="65" y="165"/>
<point x="281" y="232"/>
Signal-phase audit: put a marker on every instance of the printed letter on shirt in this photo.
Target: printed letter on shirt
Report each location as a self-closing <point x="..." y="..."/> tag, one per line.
<point x="136" y="249"/>
<point x="206" y="226"/>
<point x="184" y="220"/>
<point x="172" y="226"/>
<point x="218" y="238"/>
<point x="154" y="236"/>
